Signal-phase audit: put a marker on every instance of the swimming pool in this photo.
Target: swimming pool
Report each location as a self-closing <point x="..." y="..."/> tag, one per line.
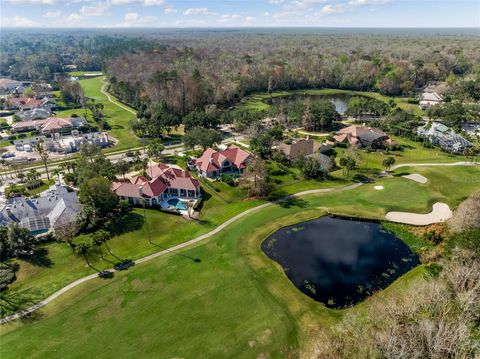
<point x="177" y="203"/>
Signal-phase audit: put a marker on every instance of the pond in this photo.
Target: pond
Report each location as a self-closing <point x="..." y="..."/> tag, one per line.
<point x="339" y="100"/>
<point x="339" y="262"/>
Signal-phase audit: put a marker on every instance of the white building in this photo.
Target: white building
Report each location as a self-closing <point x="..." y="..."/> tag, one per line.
<point x="428" y="99"/>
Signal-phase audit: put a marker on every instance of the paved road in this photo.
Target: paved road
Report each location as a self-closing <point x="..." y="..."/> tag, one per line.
<point x="207" y="235"/>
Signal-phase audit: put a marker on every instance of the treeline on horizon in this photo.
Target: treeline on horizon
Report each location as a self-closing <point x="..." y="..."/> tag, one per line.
<point x="221" y="70"/>
<point x="185" y="70"/>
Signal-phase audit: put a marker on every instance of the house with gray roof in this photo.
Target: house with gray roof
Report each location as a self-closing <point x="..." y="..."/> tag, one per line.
<point x="55" y="206"/>
<point x="443" y="136"/>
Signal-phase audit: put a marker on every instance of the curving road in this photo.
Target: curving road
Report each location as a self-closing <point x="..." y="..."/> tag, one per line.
<point x="115" y="102"/>
<point x="195" y="240"/>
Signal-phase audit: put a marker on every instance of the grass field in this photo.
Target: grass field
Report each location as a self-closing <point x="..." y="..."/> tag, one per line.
<point x="116" y="117"/>
<point x="255" y="100"/>
<point x="233" y="303"/>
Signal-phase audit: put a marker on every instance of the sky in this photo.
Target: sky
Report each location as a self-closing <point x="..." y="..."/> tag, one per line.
<point x="239" y="13"/>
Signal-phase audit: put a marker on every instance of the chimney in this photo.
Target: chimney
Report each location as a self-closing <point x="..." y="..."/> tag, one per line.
<point x="140" y="191"/>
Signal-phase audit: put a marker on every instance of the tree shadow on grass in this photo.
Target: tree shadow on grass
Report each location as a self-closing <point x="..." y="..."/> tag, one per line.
<point x="196" y="260"/>
<point x="13" y="301"/>
<point x="400" y="174"/>
<point x="128" y="222"/>
<point x="39" y="258"/>
<point x="290" y="202"/>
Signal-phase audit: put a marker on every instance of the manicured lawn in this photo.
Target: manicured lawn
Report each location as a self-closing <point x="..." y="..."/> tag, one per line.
<point x="117" y="118"/>
<point x="234" y="302"/>
<point x="58" y="266"/>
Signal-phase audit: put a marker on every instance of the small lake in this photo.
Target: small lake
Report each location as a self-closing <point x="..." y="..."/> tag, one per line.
<point x="340" y="100"/>
<point x="339" y="262"/>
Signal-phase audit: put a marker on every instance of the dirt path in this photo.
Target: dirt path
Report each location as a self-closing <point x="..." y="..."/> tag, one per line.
<point x="193" y="241"/>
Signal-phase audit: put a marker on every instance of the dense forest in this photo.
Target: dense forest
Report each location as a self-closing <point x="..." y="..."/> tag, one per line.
<point x="186" y="70"/>
<point x="39" y="55"/>
<point x="222" y="69"/>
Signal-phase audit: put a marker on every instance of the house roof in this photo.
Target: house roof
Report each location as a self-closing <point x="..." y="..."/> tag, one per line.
<point x="353" y="134"/>
<point x="212" y="160"/>
<point x="26" y="102"/>
<point x="55" y="204"/>
<point x="431" y="97"/>
<point x="301" y="146"/>
<point x="163" y="177"/>
<point x="50" y="124"/>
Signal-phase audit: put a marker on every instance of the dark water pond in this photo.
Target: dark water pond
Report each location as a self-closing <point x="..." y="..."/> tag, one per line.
<point x="339" y="262"/>
<point x="340" y="100"/>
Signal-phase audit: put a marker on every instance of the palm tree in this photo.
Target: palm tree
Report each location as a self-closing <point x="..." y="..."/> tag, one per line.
<point x="144" y="202"/>
<point x="102" y="237"/>
<point x="83" y="248"/>
<point x="57" y="172"/>
<point x="40" y="149"/>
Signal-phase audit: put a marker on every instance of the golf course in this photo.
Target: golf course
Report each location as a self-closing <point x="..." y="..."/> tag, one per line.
<point x="221" y="290"/>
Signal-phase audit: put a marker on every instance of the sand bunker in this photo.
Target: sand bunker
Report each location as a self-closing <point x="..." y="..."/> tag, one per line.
<point x="417" y="178"/>
<point x="440" y="213"/>
<point x="378" y="188"/>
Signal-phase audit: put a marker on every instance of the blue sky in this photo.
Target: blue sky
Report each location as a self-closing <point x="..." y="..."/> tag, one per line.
<point x="238" y="13"/>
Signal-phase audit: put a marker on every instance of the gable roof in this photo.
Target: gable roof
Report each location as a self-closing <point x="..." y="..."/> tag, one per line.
<point x="163" y="177"/>
<point x="300" y="146"/>
<point x="212" y="160"/>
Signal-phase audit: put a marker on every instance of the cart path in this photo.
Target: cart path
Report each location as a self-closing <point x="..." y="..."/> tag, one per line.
<point x="195" y="240"/>
<point x="115" y="102"/>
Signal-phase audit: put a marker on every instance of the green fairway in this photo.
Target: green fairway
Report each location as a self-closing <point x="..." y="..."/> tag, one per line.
<point x="116" y="117"/>
<point x="232" y="303"/>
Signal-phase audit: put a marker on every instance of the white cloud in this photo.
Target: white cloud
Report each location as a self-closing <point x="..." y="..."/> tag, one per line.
<point x="170" y="10"/>
<point x="135" y="19"/>
<point x="74" y="19"/>
<point x="98" y="9"/>
<point x="142" y="2"/>
<point x="33" y="2"/>
<point x="249" y="20"/>
<point x="367" y="2"/>
<point x="275" y="2"/>
<point x="131" y="16"/>
<point x="17" y="21"/>
<point x="52" y="14"/>
<point x="266" y="13"/>
<point x="302" y="4"/>
<point x="332" y="9"/>
<point x="199" y="11"/>
<point x="226" y="18"/>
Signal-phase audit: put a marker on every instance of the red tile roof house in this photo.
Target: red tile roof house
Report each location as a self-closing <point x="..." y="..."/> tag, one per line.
<point x="166" y="184"/>
<point x="26" y="103"/>
<point x="213" y="163"/>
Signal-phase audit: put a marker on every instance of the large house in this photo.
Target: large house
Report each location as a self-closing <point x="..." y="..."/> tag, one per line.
<point x="213" y="163"/>
<point x="166" y="183"/>
<point x="49" y="125"/>
<point x="56" y="206"/>
<point x="362" y="136"/>
<point x="428" y="99"/>
<point x="9" y="86"/>
<point x="27" y="103"/>
<point x="35" y="114"/>
<point x="439" y="134"/>
<point x="63" y="144"/>
<point x="305" y="147"/>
